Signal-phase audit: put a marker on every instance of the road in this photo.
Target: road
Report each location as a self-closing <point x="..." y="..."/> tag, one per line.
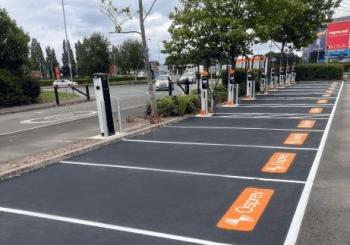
<point x="58" y="126"/>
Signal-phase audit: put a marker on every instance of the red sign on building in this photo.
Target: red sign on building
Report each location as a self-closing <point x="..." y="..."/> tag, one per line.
<point x="338" y="35"/>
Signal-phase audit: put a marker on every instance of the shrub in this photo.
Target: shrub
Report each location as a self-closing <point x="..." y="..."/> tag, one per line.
<point x="17" y="89"/>
<point x="319" y="72"/>
<point x="176" y="105"/>
<point x="166" y="106"/>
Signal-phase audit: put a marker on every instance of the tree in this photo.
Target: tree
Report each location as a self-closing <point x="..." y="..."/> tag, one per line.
<point x="221" y="29"/>
<point x="65" y="61"/>
<point x="51" y="61"/>
<point x="14" y="48"/>
<point x="131" y="55"/>
<point x="37" y="56"/>
<point x="93" y="55"/>
<point x="16" y="85"/>
<point x="300" y="27"/>
<point x="119" y="17"/>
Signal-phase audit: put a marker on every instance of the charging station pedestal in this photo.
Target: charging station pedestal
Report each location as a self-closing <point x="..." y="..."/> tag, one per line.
<point x="231" y="89"/>
<point x="250" y="87"/>
<point x="204" y="86"/>
<point x="263" y="84"/>
<point x="103" y="101"/>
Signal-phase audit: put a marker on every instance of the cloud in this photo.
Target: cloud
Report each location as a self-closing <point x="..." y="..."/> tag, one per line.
<point x="43" y="20"/>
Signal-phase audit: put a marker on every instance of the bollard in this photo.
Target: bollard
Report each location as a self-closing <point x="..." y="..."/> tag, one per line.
<point x="56" y="96"/>
<point x="87" y="92"/>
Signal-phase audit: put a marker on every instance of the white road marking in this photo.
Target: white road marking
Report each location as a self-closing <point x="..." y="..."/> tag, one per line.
<point x="172" y="171"/>
<point x="224" y="145"/>
<point x="246" y="128"/>
<point x="267" y="113"/>
<point x="282" y="105"/>
<point x="291" y="98"/>
<point x="108" y="226"/>
<point x="271" y="117"/>
<point x="59" y="117"/>
<point x="47" y="125"/>
<point x="305" y="195"/>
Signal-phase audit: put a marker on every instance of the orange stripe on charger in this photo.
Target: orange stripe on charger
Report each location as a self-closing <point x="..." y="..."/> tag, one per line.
<point x="296" y="139"/>
<point x="322" y="102"/>
<point x="279" y="163"/>
<point x="316" y="110"/>
<point x="246" y="211"/>
<point x="307" y="124"/>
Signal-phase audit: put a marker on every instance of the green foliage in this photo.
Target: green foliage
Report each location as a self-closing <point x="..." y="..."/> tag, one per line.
<point x="93" y="55"/>
<point x="65" y="61"/>
<point x="17" y="89"/>
<point x="49" y="96"/>
<point x="220" y="93"/>
<point x="319" y="72"/>
<point x="177" y="105"/>
<point x="14" y="47"/>
<point x="51" y="61"/>
<point x="129" y="56"/>
<point x="37" y="56"/>
<point x="303" y="21"/>
<point x="166" y="106"/>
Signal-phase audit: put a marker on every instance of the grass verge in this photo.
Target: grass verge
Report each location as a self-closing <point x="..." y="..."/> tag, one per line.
<point x="49" y="96"/>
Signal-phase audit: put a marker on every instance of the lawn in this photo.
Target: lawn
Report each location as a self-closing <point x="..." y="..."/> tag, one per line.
<point x="49" y="96"/>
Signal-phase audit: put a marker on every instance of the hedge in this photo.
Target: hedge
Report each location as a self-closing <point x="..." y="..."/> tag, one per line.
<point x="83" y="81"/>
<point x="312" y="72"/>
<point x="17" y="89"/>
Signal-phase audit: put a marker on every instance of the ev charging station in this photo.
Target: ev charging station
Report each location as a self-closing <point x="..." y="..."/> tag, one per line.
<point x="204" y="86"/>
<point x="232" y="87"/>
<point x="288" y="76"/>
<point x="293" y="75"/>
<point x="103" y="101"/>
<point x="281" y="82"/>
<point x="263" y="65"/>
<point x="250" y="86"/>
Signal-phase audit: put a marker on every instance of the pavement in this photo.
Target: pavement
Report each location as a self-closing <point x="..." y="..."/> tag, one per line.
<point x="243" y="176"/>
<point x="54" y="127"/>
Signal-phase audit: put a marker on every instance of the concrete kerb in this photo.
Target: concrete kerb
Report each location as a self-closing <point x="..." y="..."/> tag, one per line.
<point x="44" y="163"/>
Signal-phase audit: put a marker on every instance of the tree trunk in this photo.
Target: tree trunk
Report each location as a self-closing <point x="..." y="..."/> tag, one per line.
<point x="151" y="91"/>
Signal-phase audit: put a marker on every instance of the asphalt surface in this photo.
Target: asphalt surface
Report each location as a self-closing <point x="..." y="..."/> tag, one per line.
<point x="58" y="126"/>
<point x="200" y="181"/>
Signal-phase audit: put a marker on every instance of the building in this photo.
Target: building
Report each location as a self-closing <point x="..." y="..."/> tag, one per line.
<point x="331" y="44"/>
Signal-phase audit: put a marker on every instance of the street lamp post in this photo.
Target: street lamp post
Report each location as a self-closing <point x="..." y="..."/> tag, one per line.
<point x="67" y="42"/>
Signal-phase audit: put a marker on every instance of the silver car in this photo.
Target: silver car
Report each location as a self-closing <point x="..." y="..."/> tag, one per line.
<point x="64" y="83"/>
<point x="162" y="82"/>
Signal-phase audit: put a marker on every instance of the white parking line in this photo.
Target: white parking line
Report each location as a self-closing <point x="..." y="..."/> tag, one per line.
<point x="247" y="128"/>
<point x="224" y="145"/>
<point x="283" y="106"/>
<point x="291" y="98"/>
<point x="160" y="170"/>
<point x="269" y="117"/>
<point x="287" y="105"/>
<point x="305" y="195"/>
<point x="268" y="113"/>
<point x="108" y="226"/>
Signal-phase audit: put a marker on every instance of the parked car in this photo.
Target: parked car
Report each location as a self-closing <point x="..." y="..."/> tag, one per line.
<point x="162" y="82"/>
<point x="64" y="83"/>
<point x="188" y="75"/>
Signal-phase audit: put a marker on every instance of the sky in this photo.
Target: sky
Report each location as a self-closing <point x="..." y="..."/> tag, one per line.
<point x="43" y="20"/>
